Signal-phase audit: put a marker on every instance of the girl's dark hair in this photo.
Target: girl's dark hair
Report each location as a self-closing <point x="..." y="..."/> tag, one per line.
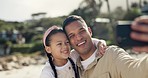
<point x="48" y="38"/>
<point x="47" y="43"/>
<point x="74" y="68"/>
<point x="52" y="65"/>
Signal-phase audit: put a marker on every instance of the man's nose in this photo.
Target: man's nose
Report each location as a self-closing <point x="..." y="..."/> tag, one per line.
<point x="78" y="36"/>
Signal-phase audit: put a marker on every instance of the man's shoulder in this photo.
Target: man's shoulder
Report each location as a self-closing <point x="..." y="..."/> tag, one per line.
<point x="74" y="55"/>
<point x="96" y="41"/>
<point x="114" y="49"/>
<point x="112" y="52"/>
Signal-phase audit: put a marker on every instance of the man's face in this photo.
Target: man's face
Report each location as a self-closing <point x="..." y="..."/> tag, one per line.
<point x="80" y="37"/>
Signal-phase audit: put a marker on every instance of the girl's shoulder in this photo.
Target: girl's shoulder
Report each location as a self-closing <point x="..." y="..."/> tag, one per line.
<point x="47" y="71"/>
<point x="47" y="67"/>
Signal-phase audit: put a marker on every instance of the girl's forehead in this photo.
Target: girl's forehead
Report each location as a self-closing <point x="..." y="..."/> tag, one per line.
<point x="58" y="36"/>
<point x="61" y="34"/>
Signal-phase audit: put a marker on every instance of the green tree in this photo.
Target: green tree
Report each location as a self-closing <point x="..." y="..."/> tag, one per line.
<point x="89" y="10"/>
<point x="133" y="12"/>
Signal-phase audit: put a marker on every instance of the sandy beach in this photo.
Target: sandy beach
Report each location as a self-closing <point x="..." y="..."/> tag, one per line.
<point x="32" y="71"/>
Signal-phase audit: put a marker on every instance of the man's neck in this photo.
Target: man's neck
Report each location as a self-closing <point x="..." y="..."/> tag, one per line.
<point x="86" y="56"/>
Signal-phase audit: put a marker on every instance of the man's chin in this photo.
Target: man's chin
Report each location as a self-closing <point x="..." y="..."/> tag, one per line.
<point x="81" y="51"/>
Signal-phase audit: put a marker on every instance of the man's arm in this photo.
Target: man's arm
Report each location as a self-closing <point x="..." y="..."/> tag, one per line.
<point x="101" y="45"/>
<point x="125" y="65"/>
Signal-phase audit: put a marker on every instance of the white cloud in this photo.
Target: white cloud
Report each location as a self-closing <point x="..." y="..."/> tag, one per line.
<point x="19" y="10"/>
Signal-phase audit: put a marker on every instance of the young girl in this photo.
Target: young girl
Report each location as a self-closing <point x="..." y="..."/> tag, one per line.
<point x="58" y="51"/>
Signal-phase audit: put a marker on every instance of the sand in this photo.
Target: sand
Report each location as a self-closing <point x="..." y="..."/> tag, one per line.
<point x="32" y="71"/>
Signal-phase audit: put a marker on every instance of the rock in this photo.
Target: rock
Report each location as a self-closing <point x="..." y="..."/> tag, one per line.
<point x="18" y="61"/>
<point x="24" y="61"/>
<point x="33" y="61"/>
<point x="14" y="65"/>
<point x="1" y="67"/>
<point x="40" y="60"/>
<point x="6" y="66"/>
<point x="14" y="58"/>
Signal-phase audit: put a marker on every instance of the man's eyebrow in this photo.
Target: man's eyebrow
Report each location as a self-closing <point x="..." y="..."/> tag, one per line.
<point x="58" y="41"/>
<point x="70" y="34"/>
<point x="81" y="28"/>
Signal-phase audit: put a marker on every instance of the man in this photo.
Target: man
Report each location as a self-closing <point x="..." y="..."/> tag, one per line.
<point x="140" y="36"/>
<point x="116" y="63"/>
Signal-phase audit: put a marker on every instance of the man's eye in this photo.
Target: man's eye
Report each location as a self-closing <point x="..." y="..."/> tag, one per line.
<point x="82" y="31"/>
<point x="71" y="36"/>
<point x="59" y="44"/>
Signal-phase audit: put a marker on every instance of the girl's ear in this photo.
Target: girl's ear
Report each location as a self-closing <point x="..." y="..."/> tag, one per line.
<point x="48" y="49"/>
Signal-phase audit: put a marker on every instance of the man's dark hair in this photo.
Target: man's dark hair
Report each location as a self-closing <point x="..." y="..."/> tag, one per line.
<point x="71" y="19"/>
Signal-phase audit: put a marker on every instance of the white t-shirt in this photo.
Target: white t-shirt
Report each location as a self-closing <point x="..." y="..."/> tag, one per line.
<point x="88" y="61"/>
<point x="65" y="71"/>
<point x="74" y="55"/>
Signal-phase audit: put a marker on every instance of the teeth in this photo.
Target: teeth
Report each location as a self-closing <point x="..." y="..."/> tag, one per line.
<point x="65" y="51"/>
<point x="81" y="43"/>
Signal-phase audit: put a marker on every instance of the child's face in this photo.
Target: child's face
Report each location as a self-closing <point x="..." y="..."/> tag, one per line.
<point x="59" y="46"/>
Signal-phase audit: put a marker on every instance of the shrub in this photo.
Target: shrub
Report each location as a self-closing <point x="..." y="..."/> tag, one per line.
<point x="23" y="48"/>
<point x="38" y="46"/>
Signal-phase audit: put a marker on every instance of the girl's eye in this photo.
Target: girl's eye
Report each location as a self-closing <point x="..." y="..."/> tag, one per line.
<point x="67" y="42"/>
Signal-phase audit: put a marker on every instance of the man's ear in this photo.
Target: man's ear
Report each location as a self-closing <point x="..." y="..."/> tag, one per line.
<point x="89" y="29"/>
<point x="48" y="49"/>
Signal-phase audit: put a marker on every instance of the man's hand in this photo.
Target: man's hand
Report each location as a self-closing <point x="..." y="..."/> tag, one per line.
<point x="102" y="47"/>
<point x="140" y="24"/>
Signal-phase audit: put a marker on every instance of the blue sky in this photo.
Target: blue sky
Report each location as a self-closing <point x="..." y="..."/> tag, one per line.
<point x="20" y="10"/>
